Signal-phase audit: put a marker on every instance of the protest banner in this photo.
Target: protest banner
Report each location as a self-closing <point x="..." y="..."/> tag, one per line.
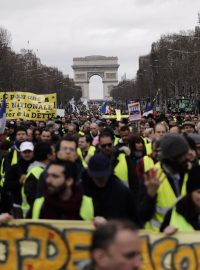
<point x="134" y="111"/>
<point x="30" y="245"/>
<point x="29" y="106"/>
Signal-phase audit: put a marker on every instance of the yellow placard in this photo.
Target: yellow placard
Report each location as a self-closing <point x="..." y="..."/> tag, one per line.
<point x="105" y="116"/>
<point x="29" y="106"/>
<point x="45" y="244"/>
<point x="118" y="114"/>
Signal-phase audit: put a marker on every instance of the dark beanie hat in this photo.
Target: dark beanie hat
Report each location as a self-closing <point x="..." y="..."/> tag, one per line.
<point x="194" y="179"/>
<point x="173" y="145"/>
<point x="195" y="137"/>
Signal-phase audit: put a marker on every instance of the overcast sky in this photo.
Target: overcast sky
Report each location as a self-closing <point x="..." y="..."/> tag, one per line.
<point x="59" y="30"/>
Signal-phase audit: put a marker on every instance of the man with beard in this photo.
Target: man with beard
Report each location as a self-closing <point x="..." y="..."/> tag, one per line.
<point x="63" y="199"/>
<point x="166" y="182"/>
<point x="66" y="149"/>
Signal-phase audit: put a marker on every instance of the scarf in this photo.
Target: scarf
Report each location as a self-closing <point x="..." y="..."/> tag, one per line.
<point x="55" y="208"/>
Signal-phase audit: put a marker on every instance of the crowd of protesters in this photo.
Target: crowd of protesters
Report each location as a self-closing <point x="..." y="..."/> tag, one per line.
<point x="84" y="168"/>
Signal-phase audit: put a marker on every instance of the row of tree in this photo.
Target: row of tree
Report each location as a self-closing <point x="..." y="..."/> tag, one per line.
<point x="25" y="72"/>
<point x="173" y="67"/>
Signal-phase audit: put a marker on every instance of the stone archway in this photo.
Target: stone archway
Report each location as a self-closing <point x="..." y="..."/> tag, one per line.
<point x="105" y="67"/>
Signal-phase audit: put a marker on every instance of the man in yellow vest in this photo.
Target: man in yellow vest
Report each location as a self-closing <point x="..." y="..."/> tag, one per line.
<point x="4" y="196"/>
<point x="63" y="198"/>
<point x="66" y="150"/>
<point x="146" y="163"/>
<point x="184" y="216"/>
<point x="14" y="153"/>
<point x="11" y="131"/>
<point x="85" y="150"/>
<point x="43" y="154"/>
<point x="119" y="157"/>
<point x="111" y="198"/>
<point x="166" y="182"/>
<point x="15" y="176"/>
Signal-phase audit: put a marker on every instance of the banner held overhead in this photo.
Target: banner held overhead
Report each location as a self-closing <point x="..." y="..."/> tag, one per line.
<point x="30" y="106"/>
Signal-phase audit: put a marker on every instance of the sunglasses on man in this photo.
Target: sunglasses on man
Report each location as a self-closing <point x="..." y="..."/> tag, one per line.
<point x="106" y="145"/>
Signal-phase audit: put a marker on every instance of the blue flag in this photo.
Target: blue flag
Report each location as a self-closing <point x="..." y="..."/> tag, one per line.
<point x="3" y="115"/>
<point x="103" y="108"/>
<point x="148" y="109"/>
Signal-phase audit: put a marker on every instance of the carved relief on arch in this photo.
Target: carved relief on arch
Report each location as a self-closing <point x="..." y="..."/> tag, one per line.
<point x="80" y="76"/>
<point x="111" y="76"/>
<point x="101" y="74"/>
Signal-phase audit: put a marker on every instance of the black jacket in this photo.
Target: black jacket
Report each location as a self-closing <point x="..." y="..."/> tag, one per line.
<point x="132" y="182"/>
<point x="12" y="176"/>
<point x="114" y="201"/>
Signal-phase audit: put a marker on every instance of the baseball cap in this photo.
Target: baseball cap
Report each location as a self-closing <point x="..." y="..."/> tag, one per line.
<point x="26" y="146"/>
<point x="100" y="166"/>
<point x="11" y="124"/>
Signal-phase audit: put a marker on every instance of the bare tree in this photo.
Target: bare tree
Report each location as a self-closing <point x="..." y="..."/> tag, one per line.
<point x="25" y="72"/>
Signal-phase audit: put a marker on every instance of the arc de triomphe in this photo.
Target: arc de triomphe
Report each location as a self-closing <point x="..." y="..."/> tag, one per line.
<point x="86" y="67"/>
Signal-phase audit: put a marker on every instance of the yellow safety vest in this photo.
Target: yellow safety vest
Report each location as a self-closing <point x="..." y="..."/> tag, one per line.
<point x="148" y="163"/>
<point x="148" y="146"/>
<point x="86" y="209"/>
<point x="121" y="169"/>
<point x="63" y="130"/>
<point x="91" y="152"/>
<point x="116" y="141"/>
<point x="144" y="139"/>
<point x="36" y="171"/>
<point x="14" y="158"/>
<point x="179" y="222"/>
<point x="2" y="172"/>
<point x="166" y="198"/>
